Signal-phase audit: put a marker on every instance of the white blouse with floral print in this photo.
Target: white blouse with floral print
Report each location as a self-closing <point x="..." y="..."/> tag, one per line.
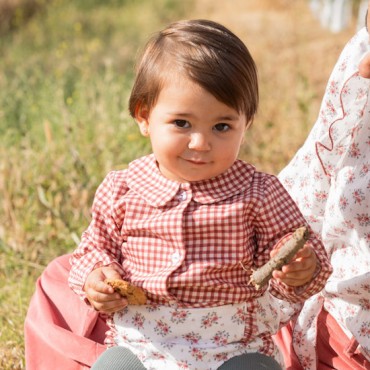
<point x="329" y="178"/>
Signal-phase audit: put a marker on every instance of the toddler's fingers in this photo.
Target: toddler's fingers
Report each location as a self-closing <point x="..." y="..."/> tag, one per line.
<point x="101" y="297"/>
<point x="295" y="282"/>
<point x="304" y="265"/>
<point x="95" y="280"/>
<point x="111" y="272"/>
<point x="102" y="287"/>
<point x="294" y="279"/>
<point x="110" y="306"/>
<point x="106" y="303"/>
<point x="305" y="252"/>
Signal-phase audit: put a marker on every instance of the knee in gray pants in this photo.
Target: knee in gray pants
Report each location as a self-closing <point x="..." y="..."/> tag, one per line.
<point x="117" y="358"/>
<point x="120" y="358"/>
<point x="251" y="361"/>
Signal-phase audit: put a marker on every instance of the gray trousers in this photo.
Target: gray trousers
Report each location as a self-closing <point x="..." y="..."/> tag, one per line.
<point x="120" y="358"/>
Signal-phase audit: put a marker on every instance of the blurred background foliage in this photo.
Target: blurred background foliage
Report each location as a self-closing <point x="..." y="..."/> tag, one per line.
<point x="64" y="85"/>
<point x="66" y="68"/>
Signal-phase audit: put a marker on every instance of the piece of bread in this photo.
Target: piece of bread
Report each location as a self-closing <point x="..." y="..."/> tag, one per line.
<point x="132" y="293"/>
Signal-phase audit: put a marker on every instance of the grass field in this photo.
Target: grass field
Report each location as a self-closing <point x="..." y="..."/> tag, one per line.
<point x="66" y="69"/>
<point x="64" y="82"/>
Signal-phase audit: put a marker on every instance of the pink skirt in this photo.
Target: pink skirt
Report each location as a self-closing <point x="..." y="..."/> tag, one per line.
<point x="333" y="348"/>
<point x="61" y="330"/>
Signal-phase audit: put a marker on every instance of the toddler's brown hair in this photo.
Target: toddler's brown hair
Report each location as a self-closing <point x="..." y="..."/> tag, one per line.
<point x="207" y="53"/>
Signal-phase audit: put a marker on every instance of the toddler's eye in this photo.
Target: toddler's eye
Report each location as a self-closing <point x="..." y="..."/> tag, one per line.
<point x="181" y="123"/>
<point x="222" y="127"/>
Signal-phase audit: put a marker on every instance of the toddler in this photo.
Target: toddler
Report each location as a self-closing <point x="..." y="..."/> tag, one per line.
<point x="190" y="221"/>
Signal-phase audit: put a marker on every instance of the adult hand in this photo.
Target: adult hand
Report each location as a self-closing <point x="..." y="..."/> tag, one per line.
<point x="100" y="295"/>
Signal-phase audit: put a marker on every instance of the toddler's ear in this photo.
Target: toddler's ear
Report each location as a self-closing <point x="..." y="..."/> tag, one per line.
<point x="142" y="119"/>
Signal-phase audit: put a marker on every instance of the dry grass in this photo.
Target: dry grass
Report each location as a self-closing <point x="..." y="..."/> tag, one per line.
<point x="14" y="13"/>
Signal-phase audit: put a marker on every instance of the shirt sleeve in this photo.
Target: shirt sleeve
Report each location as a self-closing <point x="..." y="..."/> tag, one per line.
<point x="277" y="218"/>
<point x="101" y="242"/>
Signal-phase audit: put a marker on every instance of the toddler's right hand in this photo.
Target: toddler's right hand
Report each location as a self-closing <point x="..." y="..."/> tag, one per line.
<point x="101" y="296"/>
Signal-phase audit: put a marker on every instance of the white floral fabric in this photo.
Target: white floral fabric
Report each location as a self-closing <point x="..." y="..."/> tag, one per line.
<point x="329" y="178"/>
<point x="174" y="338"/>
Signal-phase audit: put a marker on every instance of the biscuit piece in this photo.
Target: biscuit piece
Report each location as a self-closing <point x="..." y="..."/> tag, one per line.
<point x="132" y="293"/>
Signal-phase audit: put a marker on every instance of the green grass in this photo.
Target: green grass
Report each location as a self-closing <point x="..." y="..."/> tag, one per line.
<point x="65" y="78"/>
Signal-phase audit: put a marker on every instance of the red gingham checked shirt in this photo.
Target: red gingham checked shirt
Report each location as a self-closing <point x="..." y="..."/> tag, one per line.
<point x="188" y="242"/>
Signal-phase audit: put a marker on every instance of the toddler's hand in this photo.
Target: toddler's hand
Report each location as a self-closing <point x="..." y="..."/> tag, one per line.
<point x="101" y="296"/>
<point x="299" y="270"/>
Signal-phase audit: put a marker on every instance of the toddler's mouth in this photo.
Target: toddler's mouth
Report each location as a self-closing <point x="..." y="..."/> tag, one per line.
<point x="196" y="161"/>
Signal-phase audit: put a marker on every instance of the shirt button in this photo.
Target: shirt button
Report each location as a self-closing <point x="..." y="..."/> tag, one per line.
<point x="182" y="196"/>
<point x="176" y="257"/>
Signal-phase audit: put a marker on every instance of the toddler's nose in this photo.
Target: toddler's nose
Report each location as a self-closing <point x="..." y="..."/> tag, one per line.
<point x="199" y="141"/>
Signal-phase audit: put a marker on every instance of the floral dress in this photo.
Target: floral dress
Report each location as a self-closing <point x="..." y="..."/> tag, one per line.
<point x="174" y="338"/>
<point x="333" y="193"/>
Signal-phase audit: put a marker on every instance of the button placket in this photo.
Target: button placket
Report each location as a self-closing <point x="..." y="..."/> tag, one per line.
<point x="175" y="257"/>
<point x="182" y="195"/>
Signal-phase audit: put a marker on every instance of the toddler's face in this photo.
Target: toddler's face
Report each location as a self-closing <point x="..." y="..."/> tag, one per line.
<point x="193" y="135"/>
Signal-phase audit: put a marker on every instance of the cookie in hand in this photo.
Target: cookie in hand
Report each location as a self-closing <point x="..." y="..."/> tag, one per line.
<point x="134" y="295"/>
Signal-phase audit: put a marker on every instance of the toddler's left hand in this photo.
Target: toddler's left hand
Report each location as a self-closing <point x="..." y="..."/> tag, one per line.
<point x="299" y="270"/>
